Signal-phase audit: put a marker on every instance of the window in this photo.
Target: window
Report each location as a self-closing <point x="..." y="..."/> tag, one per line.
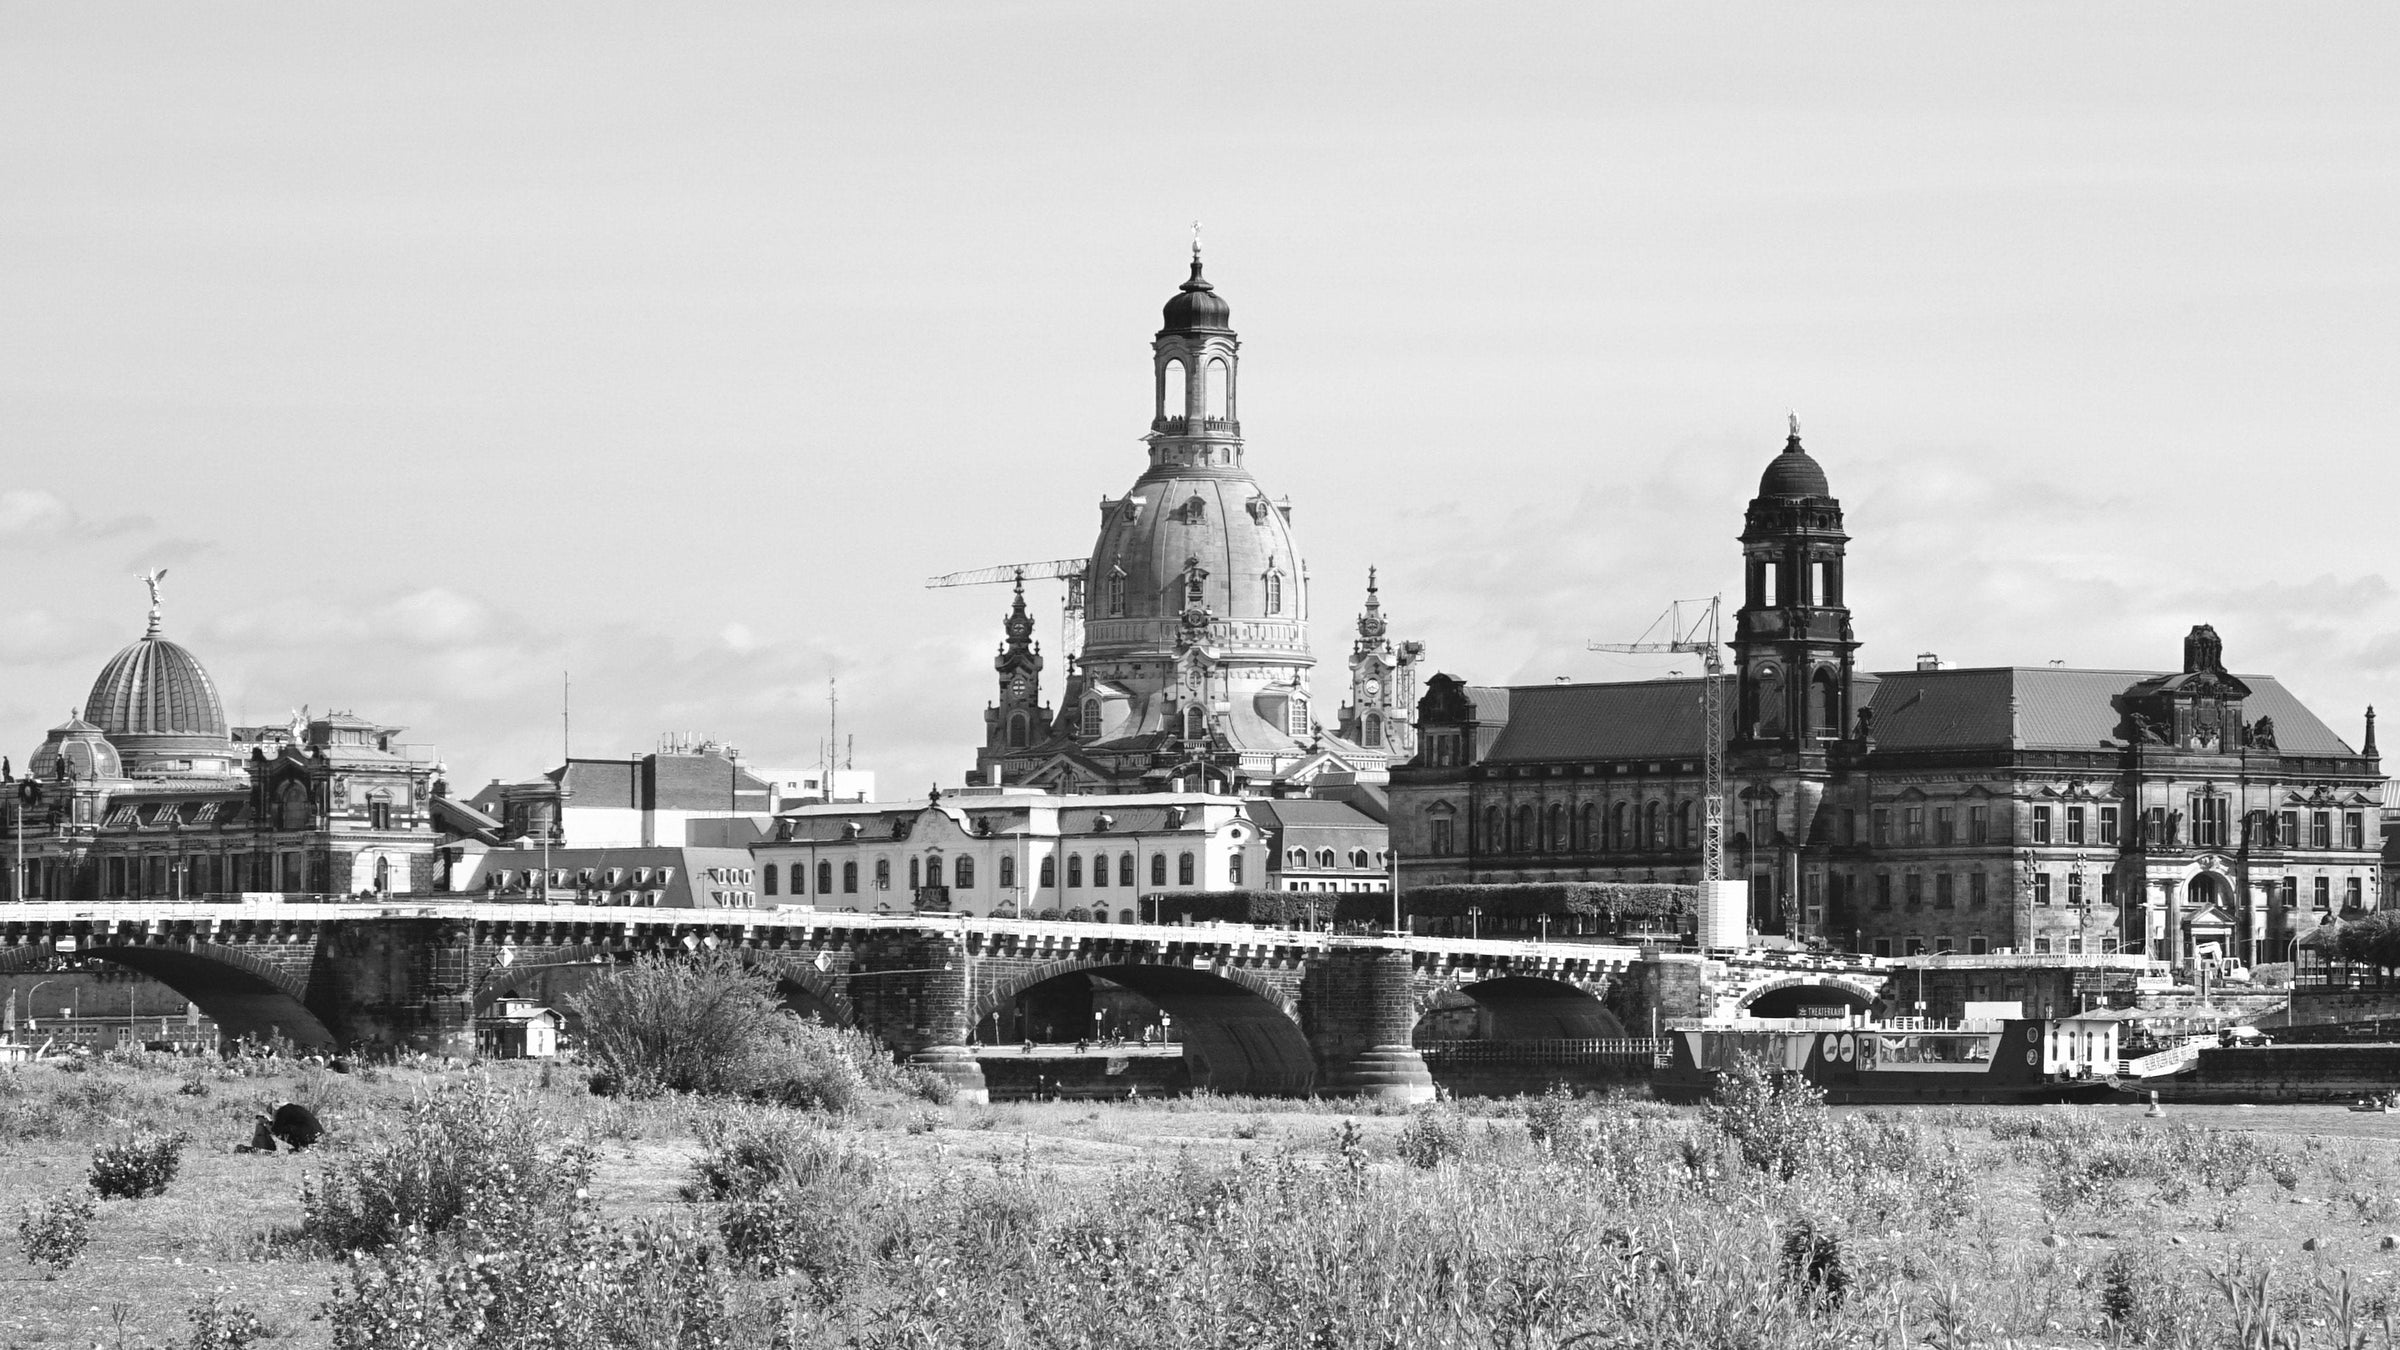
<point x="1945" y="825"/>
<point x="1883" y="890"/>
<point x="2074" y="946"/>
<point x="1913" y="823"/>
<point x="933" y="871"/>
<point x="767" y="879"/>
<point x="2324" y="893"/>
<point x="1520" y="835"/>
<point x="1620" y="830"/>
<point x="1979" y="824"/>
<point x="2208" y="821"/>
<point x="1116" y="594"/>
<point x="1883" y="947"/>
<point x="2320" y="829"/>
<point x="1048" y="877"/>
<point x="1074" y="871"/>
<point x="379" y="815"/>
<point x="1685" y="835"/>
<point x="2154" y="825"/>
<point x="1008" y="872"/>
<point x="1590" y="841"/>
<point x="1914" y="887"/>
<point x="2074" y="824"/>
<point x="2354" y="829"/>
<point x="1195" y="584"/>
<point x="1017" y="731"/>
<point x="2041" y="947"/>
<point x="2074" y="888"/>
<point x="1883" y="826"/>
<point x="1370" y="732"/>
<point x="2291" y="892"/>
<point x="1298" y="726"/>
<point x="1849" y="826"/>
<point x="1944" y="945"/>
<point x="1978" y="888"/>
<point x="2353" y="893"/>
<point x="1233" y="870"/>
<point x="1441" y="835"/>
<point x="850" y="878"/>
<point x="1274" y="593"/>
<point x="1125" y="869"/>
<point x="1091" y="718"/>
<point x="1183" y="870"/>
<point x="2108" y="824"/>
<point x="2041" y="888"/>
<point x="1099" y="869"/>
<point x="2041" y="824"/>
<point x="965" y="880"/>
<point x="1916" y="946"/>
<point x="915" y="875"/>
<point x="2108" y="888"/>
<point x="2287" y="829"/>
<point x="1158" y="869"/>
<point x="1944" y="897"/>
<point x="1978" y="945"/>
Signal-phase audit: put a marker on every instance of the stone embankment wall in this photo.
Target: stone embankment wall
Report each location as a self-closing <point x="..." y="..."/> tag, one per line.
<point x="2296" y="1073"/>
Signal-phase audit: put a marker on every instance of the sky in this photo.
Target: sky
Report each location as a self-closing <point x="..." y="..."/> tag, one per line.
<point x="444" y="351"/>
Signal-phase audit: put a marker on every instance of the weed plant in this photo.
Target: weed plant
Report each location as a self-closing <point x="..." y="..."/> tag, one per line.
<point x="54" y="1229"/>
<point x="137" y="1166"/>
<point x="458" y="1148"/>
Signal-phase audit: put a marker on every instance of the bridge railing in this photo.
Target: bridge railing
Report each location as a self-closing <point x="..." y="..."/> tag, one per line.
<point x="1627" y="1050"/>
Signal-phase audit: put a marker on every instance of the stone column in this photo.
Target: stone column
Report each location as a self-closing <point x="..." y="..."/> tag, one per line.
<point x="1660" y="986"/>
<point x="910" y="989"/>
<point x="1359" y="1009"/>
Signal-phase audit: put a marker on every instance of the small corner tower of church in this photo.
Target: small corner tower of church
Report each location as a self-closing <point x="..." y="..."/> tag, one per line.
<point x="1791" y="638"/>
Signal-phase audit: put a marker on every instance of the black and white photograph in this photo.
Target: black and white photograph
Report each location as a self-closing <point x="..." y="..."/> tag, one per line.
<point x="937" y="676"/>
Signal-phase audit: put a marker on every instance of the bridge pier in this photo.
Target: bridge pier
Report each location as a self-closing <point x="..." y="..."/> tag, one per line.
<point x="1358" y="1008"/>
<point x="910" y="989"/>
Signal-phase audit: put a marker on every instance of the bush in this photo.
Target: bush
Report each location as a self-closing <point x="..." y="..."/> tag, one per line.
<point x="1776" y="1118"/>
<point x="218" y="1325"/>
<point x="1431" y="1137"/>
<point x="680" y="1024"/>
<point x="748" y="1152"/>
<point x="1549" y="1116"/>
<point x="1812" y="1262"/>
<point x="1524" y="900"/>
<point x="458" y="1147"/>
<point x="136" y="1166"/>
<point x="1272" y="909"/>
<point x="54" y="1229"/>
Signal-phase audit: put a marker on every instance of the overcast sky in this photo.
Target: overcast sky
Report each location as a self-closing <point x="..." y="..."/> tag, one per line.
<point x="442" y="349"/>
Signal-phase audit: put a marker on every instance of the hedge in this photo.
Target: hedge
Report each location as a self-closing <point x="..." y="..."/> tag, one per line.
<point x="1615" y="899"/>
<point x="1274" y="909"/>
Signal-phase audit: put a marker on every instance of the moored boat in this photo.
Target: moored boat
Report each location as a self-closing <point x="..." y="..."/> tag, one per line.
<point x="1996" y="1062"/>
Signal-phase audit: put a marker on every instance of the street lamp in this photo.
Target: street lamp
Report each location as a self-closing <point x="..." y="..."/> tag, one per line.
<point x="1474" y="922"/>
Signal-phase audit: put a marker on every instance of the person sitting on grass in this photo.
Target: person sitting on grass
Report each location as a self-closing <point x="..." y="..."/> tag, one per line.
<point x="292" y="1125"/>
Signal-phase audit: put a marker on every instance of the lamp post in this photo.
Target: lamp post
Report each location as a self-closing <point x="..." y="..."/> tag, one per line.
<point x="1474" y="922"/>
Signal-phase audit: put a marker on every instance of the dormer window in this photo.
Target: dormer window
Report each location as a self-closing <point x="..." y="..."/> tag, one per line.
<point x="1194" y="510"/>
<point x="1091" y="719"/>
<point x="1116" y="593"/>
<point x="1274" y="593"/>
<point x="1195" y="723"/>
<point x="1296" y="715"/>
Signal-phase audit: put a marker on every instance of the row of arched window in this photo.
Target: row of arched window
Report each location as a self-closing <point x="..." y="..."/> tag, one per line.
<point x="1174" y="392"/>
<point x="1195" y="591"/>
<point x="931" y="871"/>
<point x="1625" y="827"/>
<point x="1325" y="857"/>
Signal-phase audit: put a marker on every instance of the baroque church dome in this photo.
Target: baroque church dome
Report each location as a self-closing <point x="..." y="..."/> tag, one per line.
<point x="1794" y="473"/>
<point x="1197" y="306"/>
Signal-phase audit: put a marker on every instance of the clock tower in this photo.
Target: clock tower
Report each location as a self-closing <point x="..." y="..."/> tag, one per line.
<point x="1382" y="713"/>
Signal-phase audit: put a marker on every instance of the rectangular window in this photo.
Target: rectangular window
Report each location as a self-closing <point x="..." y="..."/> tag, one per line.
<point x="2291" y="892"/>
<point x="1883" y="890"/>
<point x="1945" y="824"/>
<point x="1441" y="834"/>
<point x="1849" y="827"/>
<point x="2108" y="888"/>
<point x="1944" y="897"/>
<point x="1915" y="821"/>
<point x="2041" y="947"/>
<point x="2354" y="829"/>
<point x="2354" y="893"/>
<point x="1883" y="947"/>
<point x="1916" y="888"/>
<point x="2041" y="888"/>
<point x="2041" y="824"/>
<point x="1233" y="870"/>
<point x="2208" y="821"/>
<point x="1978" y="946"/>
<point x="2074" y="888"/>
<point x="1883" y="826"/>
<point x="1978" y="888"/>
<point x="2320" y="829"/>
<point x="116" y="876"/>
<point x="2324" y="893"/>
<point x="1979" y="824"/>
<point x="2074" y="824"/>
<point x="2108" y="824"/>
<point x="2287" y="829"/>
<point x="1944" y="945"/>
<point x="2154" y="825"/>
<point x="1916" y="946"/>
<point x="2074" y="946"/>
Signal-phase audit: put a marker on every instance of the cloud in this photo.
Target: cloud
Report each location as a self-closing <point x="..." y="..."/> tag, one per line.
<point x="30" y="514"/>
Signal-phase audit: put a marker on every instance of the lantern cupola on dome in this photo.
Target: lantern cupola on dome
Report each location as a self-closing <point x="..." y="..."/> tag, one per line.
<point x="156" y="703"/>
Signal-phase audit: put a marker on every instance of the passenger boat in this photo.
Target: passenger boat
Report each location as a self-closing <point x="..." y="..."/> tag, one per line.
<point x="1999" y="1061"/>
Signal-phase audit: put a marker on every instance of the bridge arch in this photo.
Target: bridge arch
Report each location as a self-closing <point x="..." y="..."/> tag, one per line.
<point x="1533" y="1008"/>
<point x="553" y="975"/>
<point x="245" y="995"/>
<point x="1239" y="1032"/>
<point x="1786" y="995"/>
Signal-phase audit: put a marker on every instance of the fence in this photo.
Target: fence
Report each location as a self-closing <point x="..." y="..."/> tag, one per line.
<point x="1623" y="1051"/>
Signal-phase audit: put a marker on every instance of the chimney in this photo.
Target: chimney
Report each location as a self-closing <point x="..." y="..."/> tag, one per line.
<point x="1928" y="661"/>
<point x="991" y="776"/>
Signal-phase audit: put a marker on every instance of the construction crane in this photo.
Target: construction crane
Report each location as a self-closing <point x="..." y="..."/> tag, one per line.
<point x="1700" y="638"/>
<point x="1069" y="570"/>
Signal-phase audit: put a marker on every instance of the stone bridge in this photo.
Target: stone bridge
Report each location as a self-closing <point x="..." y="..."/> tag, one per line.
<point x="1258" y="1010"/>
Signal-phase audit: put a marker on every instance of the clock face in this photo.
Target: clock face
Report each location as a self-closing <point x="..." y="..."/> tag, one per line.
<point x="1374" y="687"/>
<point x="1017" y="686"/>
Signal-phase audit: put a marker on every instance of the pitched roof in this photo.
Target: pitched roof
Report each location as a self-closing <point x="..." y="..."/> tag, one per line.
<point x="2056" y="709"/>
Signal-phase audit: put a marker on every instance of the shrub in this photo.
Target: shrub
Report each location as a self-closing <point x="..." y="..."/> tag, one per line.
<point x="1777" y="1118"/>
<point x="1272" y="909"/>
<point x="678" y="1024"/>
<point x="1812" y="1262"/>
<point x="218" y="1325"/>
<point x="1524" y="900"/>
<point x="54" y="1229"/>
<point x="748" y="1152"/>
<point x="1431" y="1137"/>
<point x="1549" y="1116"/>
<point x="139" y="1165"/>
<point x="457" y="1147"/>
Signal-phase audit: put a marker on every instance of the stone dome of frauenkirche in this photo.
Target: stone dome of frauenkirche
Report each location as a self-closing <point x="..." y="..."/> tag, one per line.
<point x="1793" y="473"/>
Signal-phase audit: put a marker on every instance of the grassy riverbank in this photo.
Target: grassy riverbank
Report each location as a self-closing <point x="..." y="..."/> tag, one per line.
<point x="1208" y="1222"/>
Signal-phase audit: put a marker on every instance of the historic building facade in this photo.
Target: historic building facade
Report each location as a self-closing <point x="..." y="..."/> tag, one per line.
<point x="2183" y="814"/>
<point x="147" y="794"/>
<point x="1195" y="667"/>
